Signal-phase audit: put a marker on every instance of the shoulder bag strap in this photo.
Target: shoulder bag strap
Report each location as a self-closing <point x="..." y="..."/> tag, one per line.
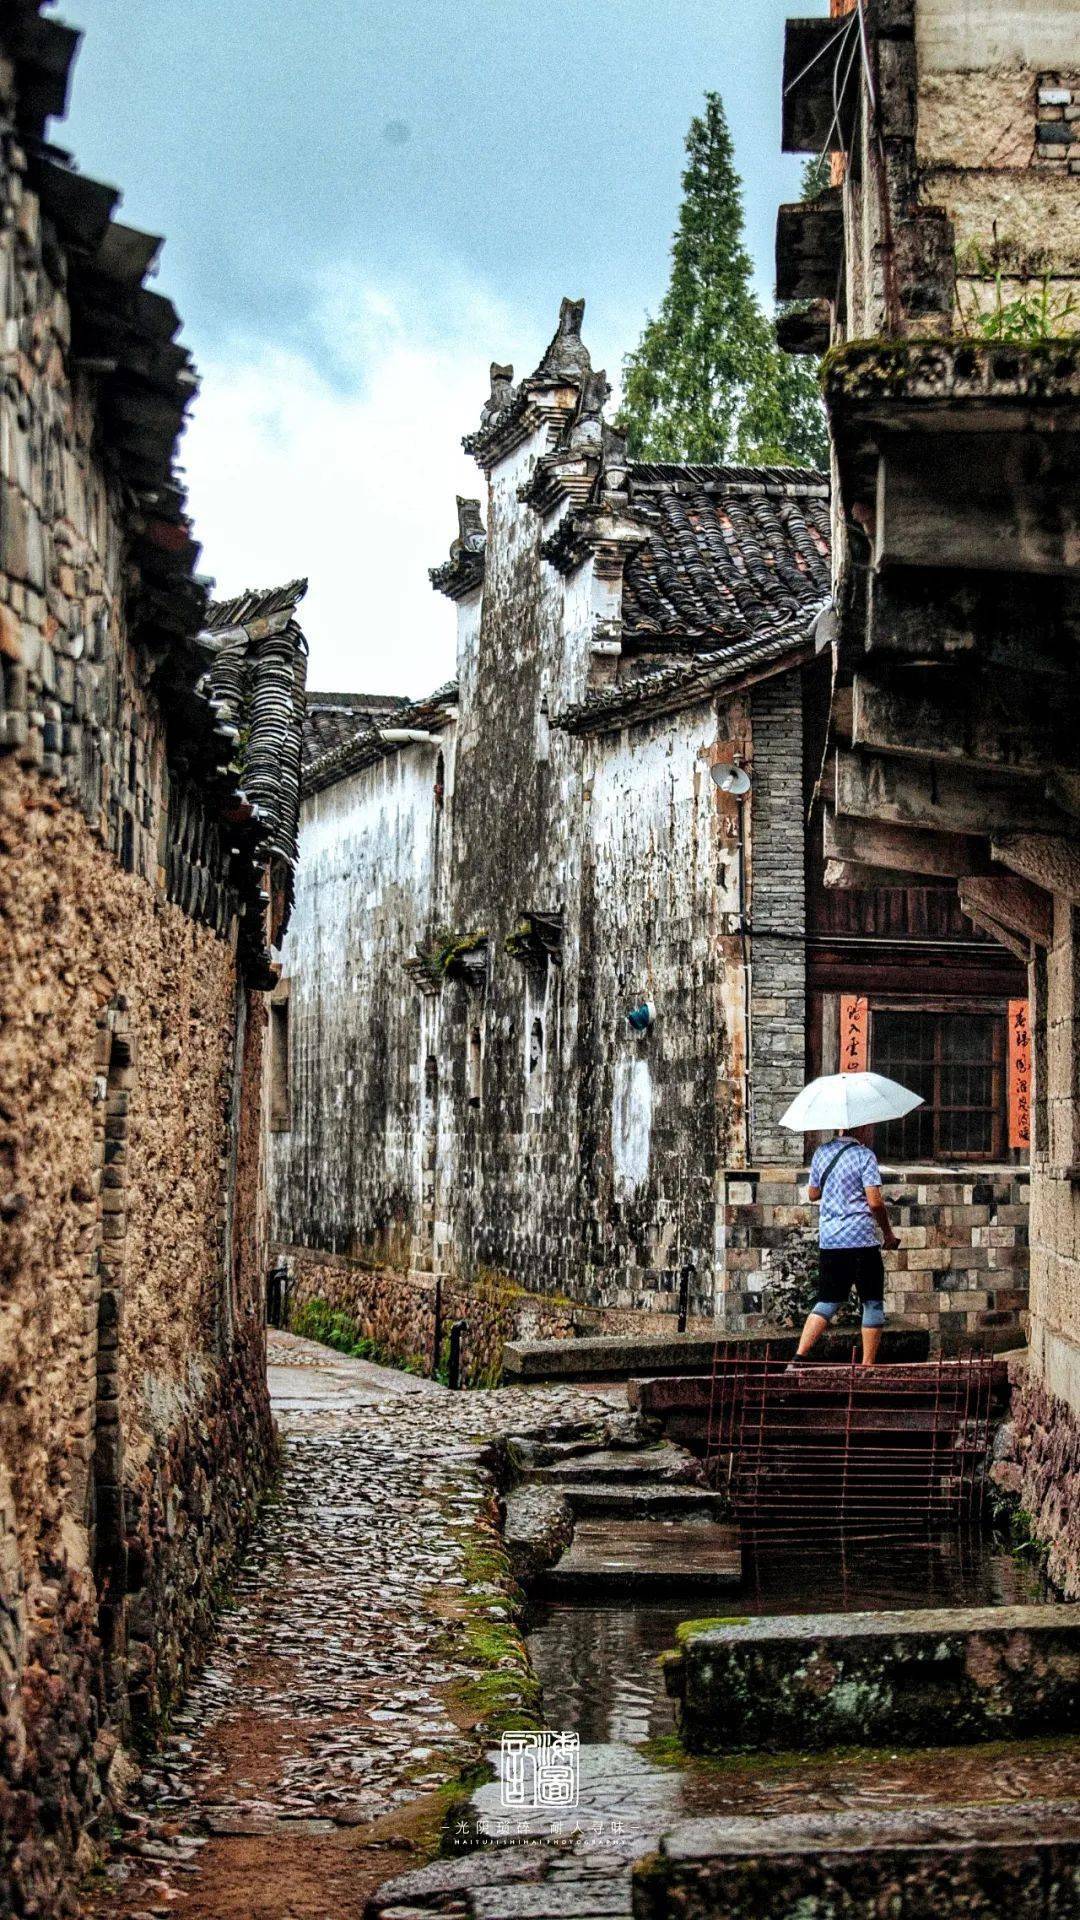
<point x="838" y="1155"/>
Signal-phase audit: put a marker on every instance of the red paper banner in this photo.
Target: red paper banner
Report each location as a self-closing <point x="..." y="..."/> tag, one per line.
<point x="854" y="1032"/>
<point x="1019" y="1074"/>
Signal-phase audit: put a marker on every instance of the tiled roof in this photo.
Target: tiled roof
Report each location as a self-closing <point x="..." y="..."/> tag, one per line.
<point x="334" y="718"/>
<point x="144" y="378"/>
<point x="429" y="715"/>
<point x="675" y="684"/>
<point x="731" y="551"/>
<point x="256" y="668"/>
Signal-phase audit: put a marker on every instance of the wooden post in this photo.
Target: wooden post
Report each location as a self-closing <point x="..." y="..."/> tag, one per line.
<point x="1020" y="1061"/>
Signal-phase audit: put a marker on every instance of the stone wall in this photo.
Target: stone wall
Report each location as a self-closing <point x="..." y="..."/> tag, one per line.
<point x="962" y="1266"/>
<point x="1046" y="1432"/>
<point x="134" y="1422"/>
<point x="396" y="1311"/>
<point x="134" y="1430"/>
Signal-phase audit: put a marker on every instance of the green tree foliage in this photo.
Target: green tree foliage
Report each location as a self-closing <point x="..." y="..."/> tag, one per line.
<point x="707" y="381"/>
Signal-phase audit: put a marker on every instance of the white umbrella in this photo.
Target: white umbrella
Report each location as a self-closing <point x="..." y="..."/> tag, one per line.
<point x="839" y="1101"/>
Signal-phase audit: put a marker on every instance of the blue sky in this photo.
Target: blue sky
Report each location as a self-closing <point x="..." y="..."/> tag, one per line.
<point x="363" y="206"/>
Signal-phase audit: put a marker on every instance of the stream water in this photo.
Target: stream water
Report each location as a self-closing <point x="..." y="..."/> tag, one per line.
<point x="597" y="1662"/>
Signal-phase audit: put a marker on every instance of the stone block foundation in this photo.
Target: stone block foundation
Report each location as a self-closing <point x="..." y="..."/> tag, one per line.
<point x="916" y="1678"/>
<point x="962" y="1265"/>
<point x="979" y="1861"/>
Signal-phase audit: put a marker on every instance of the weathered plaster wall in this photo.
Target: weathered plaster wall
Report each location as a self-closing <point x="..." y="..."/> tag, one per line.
<point x="658" y="1114"/>
<point x="81" y="937"/>
<point x="957" y="35"/>
<point x="998" y="146"/>
<point x="345" y="1170"/>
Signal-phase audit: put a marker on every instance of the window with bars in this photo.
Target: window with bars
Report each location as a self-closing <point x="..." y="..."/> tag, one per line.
<point x="957" y="1062"/>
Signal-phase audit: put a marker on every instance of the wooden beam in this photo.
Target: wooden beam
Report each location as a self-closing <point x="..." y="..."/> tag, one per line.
<point x="1015" y="943"/>
<point x="821" y="87"/>
<point x="944" y="855"/>
<point x="1013" y="903"/>
<point x="1063" y="790"/>
<point x="1026" y="626"/>
<point x="854" y="873"/>
<point x="992" y="722"/>
<point x="810" y="247"/>
<point x="1050" y="860"/>
<point x="936" y="799"/>
<point x="988" y="501"/>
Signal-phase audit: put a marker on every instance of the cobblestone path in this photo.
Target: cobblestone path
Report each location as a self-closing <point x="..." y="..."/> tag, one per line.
<point x="306" y="1763"/>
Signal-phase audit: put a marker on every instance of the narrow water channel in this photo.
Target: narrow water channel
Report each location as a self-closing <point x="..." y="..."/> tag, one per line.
<point x="597" y="1661"/>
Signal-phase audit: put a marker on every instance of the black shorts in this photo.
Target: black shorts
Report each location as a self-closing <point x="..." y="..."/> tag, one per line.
<point x="842" y="1268"/>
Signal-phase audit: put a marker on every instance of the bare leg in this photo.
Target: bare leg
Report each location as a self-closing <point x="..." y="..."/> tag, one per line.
<point x="816" y="1325"/>
<point x="871" y="1341"/>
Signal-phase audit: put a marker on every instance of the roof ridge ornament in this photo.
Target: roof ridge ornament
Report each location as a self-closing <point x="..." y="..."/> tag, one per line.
<point x="566" y="357"/>
<point x="503" y="393"/>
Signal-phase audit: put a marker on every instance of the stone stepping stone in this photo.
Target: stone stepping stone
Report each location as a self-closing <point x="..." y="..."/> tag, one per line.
<point x="666" y="1501"/>
<point x="608" y="1552"/>
<point x="979" y="1861"/>
<point x="623" y="1466"/>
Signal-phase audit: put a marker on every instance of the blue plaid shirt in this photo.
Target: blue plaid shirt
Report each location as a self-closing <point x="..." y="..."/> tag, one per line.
<point x="845" y="1219"/>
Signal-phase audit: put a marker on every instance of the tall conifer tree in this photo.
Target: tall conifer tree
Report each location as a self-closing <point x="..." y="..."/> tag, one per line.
<point x="707" y="382"/>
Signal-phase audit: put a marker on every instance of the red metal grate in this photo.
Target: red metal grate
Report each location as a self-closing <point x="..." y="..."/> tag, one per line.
<point x="823" y="1450"/>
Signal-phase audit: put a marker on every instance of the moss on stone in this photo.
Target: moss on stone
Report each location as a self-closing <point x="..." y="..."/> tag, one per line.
<point x="688" y="1628"/>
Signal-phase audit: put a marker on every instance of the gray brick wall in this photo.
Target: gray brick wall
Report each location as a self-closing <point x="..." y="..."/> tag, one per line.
<point x="778" y="917"/>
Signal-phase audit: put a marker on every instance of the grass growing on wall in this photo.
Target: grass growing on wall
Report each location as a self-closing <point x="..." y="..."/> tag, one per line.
<point x="318" y="1320"/>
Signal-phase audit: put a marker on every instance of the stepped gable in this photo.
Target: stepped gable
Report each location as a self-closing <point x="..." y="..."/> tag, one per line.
<point x="548" y="395"/>
<point x="464" y="571"/>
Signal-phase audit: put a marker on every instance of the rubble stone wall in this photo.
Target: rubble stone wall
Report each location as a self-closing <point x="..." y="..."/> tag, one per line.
<point x="134" y="1425"/>
<point x="396" y="1311"/>
<point x="1044" y="1458"/>
<point x="113" y="1189"/>
<point x="962" y="1265"/>
<point x="998" y="147"/>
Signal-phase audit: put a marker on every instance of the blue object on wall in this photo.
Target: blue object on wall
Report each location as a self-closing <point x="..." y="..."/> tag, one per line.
<point x="642" y="1017"/>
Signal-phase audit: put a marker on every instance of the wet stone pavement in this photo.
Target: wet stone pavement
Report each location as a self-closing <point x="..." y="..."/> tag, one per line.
<point x="304" y="1767"/>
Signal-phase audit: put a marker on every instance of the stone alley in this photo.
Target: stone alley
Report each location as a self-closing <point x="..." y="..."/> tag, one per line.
<point x="540" y="1119"/>
<point x="369" y="1631"/>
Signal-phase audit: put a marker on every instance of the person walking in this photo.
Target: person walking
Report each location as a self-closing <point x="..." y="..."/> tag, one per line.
<point x="853" y="1226"/>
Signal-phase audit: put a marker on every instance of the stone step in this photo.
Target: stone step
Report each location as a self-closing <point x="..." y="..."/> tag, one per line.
<point x="863" y="1679"/>
<point x="647" y="1553"/>
<point x="666" y="1500"/>
<point x="619" y="1356"/>
<point x="618" y="1466"/>
<point x="979" y="1861"/>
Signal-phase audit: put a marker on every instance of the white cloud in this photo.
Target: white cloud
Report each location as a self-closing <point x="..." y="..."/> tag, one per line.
<point x="342" y="463"/>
